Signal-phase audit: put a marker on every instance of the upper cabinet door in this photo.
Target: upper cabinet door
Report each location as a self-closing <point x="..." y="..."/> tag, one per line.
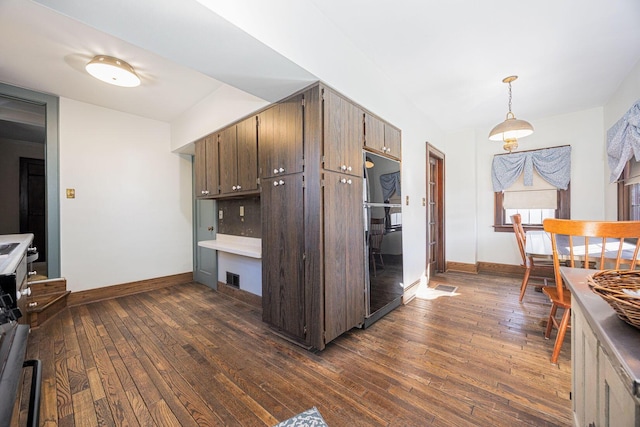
<point x="228" y="160"/>
<point x="280" y="138"/>
<point x="381" y="136"/>
<point x="247" y="152"/>
<point x="374" y="133"/>
<point x="206" y="167"/>
<point x="343" y="135"/>
<point x="392" y="141"/>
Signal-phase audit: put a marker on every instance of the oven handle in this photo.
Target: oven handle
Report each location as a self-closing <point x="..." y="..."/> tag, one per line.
<point x="34" y="397"/>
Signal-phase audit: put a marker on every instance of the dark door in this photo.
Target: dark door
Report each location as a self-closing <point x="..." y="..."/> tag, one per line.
<point x="344" y="280"/>
<point x="283" y="296"/>
<point x="343" y="135"/>
<point x="247" y="151"/>
<point x="435" y="211"/>
<point x="33" y="213"/>
<point x="280" y="138"/>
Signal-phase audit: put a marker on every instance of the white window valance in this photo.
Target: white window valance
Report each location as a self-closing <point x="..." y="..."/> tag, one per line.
<point x="623" y="141"/>
<point x="552" y="164"/>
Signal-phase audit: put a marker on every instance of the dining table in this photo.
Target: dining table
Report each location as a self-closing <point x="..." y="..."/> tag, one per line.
<point x="538" y="245"/>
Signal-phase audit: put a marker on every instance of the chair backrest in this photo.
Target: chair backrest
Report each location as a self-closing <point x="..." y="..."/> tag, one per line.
<point x="521" y="236"/>
<point x="376" y="233"/>
<point x="581" y="243"/>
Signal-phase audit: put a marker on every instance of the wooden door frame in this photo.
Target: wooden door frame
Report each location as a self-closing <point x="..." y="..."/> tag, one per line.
<point x="434" y="153"/>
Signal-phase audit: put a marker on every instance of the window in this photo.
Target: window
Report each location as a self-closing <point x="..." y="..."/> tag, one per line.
<point x="546" y="193"/>
<point x="629" y="193"/>
<point x="532" y="218"/>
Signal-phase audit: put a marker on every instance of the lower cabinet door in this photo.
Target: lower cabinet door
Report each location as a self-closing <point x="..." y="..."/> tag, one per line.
<point x="283" y="302"/>
<point x="344" y="284"/>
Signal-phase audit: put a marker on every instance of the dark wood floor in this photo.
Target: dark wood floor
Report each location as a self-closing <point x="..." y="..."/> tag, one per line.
<point x="187" y="356"/>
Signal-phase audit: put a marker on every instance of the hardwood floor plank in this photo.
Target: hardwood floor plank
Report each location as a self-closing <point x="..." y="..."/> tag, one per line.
<point x="190" y="356"/>
<point x="84" y="413"/>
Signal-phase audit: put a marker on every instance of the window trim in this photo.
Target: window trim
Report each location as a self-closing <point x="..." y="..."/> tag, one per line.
<point x="499" y="216"/>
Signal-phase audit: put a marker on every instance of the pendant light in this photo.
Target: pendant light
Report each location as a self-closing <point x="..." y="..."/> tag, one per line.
<point x="511" y="129"/>
<point x="113" y="71"/>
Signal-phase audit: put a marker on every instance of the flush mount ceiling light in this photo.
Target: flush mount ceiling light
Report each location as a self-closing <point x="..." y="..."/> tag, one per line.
<point x="511" y="129"/>
<point x="113" y="71"/>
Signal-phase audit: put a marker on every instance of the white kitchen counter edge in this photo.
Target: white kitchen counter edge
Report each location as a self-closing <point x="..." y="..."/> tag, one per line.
<point x="240" y="245"/>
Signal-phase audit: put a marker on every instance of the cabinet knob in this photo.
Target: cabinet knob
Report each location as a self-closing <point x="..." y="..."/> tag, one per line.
<point x="349" y="181"/>
<point x="343" y="180"/>
<point x="281" y="170"/>
<point x="281" y="182"/>
<point x="275" y="170"/>
<point x="32" y="273"/>
<point x="238" y="187"/>
<point x="275" y="183"/>
<point x="343" y="167"/>
<point x="26" y="292"/>
<point x="33" y="304"/>
<point x="349" y="168"/>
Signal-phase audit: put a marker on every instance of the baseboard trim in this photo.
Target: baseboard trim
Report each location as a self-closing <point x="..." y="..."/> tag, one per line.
<point x="240" y="294"/>
<point x="462" y="267"/>
<point x="410" y="292"/>
<point x="114" y="291"/>
<point x="500" y="269"/>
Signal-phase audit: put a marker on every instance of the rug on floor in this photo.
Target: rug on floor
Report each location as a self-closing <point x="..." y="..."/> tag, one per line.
<point x="309" y="418"/>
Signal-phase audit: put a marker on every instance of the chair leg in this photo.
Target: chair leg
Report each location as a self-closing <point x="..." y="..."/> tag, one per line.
<point x="552" y="318"/>
<point x="525" y="281"/>
<point x="562" y="329"/>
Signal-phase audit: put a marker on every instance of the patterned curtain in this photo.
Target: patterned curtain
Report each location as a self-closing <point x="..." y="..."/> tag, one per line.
<point x="553" y="165"/>
<point x="623" y="141"/>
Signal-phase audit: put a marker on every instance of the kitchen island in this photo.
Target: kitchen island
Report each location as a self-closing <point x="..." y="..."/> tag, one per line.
<point x="605" y="353"/>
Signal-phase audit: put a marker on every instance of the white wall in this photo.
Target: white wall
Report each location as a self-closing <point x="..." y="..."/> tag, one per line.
<point x="470" y="152"/>
<point x="214" y="112"/>
<point x="628" y="93"/>
<point x="132" y="216"/>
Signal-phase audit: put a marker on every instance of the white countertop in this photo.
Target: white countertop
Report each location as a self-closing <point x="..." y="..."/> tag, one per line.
<point x="9" y="262"/>
<point x="246" y="246"/>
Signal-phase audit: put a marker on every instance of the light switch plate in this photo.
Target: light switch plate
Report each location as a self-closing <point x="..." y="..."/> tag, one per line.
<point x="241" y="210"/>
<point x="220" y="214"/>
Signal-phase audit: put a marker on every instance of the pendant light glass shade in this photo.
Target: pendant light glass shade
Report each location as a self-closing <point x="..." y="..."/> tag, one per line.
<point x="511" y="129"/>
<point x="113" y="71"/>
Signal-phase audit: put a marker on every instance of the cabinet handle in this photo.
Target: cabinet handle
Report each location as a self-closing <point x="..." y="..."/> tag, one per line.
<point x="32" y="273"/>
<point x="33" y="304"/>
<point x="26" y="292"/>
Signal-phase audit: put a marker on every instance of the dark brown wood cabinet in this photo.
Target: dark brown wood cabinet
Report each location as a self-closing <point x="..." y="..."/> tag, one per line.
<point x="238" y="163"/>
<point x="381" y="137"/>
<point x="343" y="253"/>
<point x="283" y="290"/>
<point x="206" y="167"/>
<point x="280" y="134"/>
<point x="343" y="134"/>
<point x="313" y="282"/>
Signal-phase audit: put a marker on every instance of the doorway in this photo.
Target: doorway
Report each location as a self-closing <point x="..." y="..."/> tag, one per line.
<point x="25" y="114"/>
<point x="435" y="212"/>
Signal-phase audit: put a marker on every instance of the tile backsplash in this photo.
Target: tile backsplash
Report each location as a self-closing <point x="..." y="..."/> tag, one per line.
<point x="234" y="223"/>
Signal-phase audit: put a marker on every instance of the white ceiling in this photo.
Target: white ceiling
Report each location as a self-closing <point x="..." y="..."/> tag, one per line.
<point x="448" y="57"/>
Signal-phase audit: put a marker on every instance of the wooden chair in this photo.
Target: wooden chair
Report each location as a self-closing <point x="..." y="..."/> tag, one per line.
<point x="376" y="233"/>
<point x="576" y="236"/>
<point x="538" y="268"/>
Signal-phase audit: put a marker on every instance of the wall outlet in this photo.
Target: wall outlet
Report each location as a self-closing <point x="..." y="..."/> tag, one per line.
<point x="241" y="210"/>
<point x="220" y="214"/>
